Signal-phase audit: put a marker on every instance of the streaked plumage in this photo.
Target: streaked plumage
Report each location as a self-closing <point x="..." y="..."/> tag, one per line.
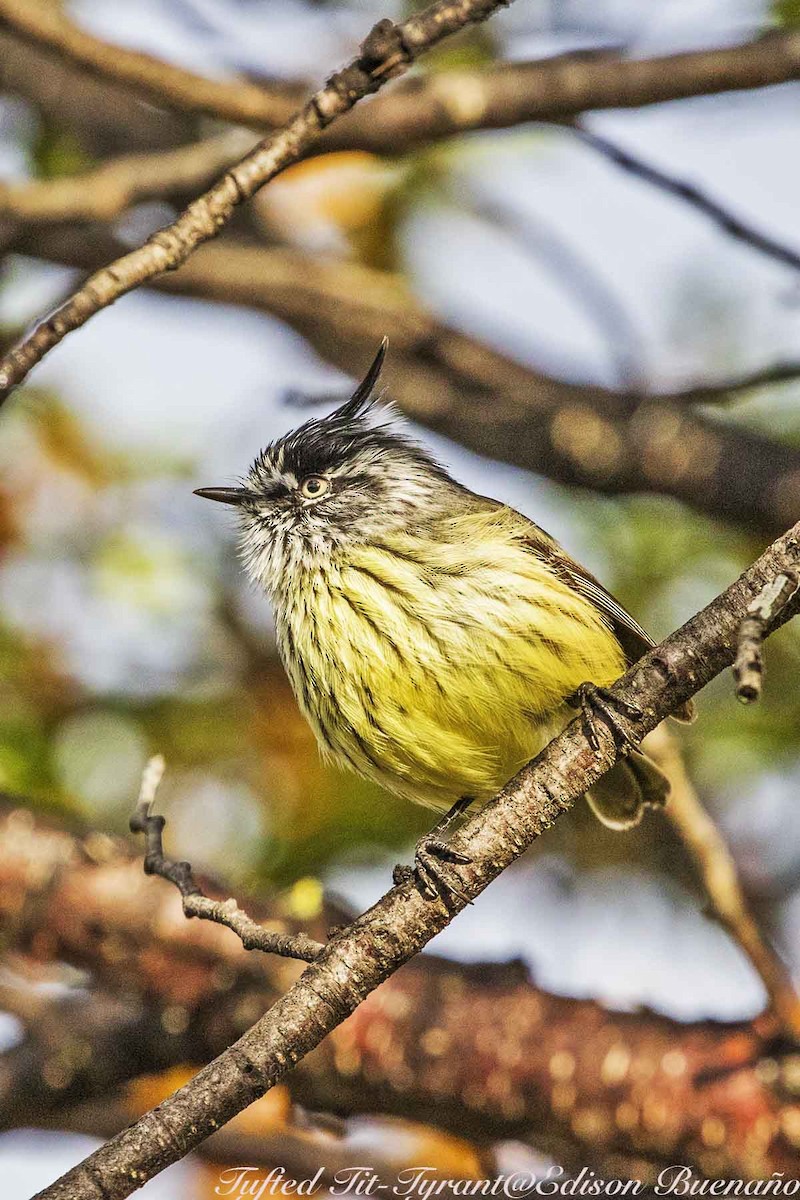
<point x="432" y="636"/>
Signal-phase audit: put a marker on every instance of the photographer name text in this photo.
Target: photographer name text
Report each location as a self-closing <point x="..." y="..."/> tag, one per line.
<point x="425" y="1183"/>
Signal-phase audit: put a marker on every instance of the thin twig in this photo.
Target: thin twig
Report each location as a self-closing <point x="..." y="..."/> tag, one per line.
<point x="387" y="51"/>
<point x="575" y="433"/>
<point x="728" y="389"/>
<point x="403" y="921"/>
<point x="195" y="904"/>
<point x="748" y="670"/>
<point x="720" y="877"/>
<point x="691" y="194"/>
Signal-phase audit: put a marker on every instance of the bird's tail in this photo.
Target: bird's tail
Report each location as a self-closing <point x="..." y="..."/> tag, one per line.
<point x="686" y="714"/>
<point x="620" y="797"/>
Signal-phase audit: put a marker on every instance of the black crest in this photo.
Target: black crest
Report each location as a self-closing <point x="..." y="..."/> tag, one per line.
<point x="362" y="396"/>
<point x="324" y="442"/>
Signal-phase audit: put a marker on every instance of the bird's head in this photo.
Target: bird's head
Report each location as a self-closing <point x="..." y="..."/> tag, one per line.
<point x="350" y="475"/>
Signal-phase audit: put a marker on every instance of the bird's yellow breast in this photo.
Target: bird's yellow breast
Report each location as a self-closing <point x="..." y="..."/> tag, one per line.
<point x="439" y="666"/>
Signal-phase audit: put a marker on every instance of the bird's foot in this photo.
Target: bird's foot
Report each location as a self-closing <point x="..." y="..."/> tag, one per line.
<point x="594" y="702"/>
<point x="433" y="869"/>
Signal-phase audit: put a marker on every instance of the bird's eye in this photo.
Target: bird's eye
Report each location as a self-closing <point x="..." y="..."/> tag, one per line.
<point x="314" y="486"/>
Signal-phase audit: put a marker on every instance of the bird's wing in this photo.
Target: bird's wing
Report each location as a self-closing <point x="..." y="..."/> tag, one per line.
<point x="629" y="633"/>
<point x="632" y="638"/>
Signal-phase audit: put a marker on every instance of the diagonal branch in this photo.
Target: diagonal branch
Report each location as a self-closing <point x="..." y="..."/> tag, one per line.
<point x="106" y="191"/>
<point x="387" y="51"/>
<point x="398" y="926"/>
<point x="195" y="904"/>
<point x="717" y="869"/>
<point x="693" y="195"/>
<point x="160" y="82"/>
<point x="468" y="1049"/>
<point x="730" y="389"/>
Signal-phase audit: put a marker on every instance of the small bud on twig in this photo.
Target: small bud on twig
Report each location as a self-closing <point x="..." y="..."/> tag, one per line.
<point x="748" y="670"/>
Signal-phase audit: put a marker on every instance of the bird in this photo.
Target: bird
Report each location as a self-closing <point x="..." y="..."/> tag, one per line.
<point x="435" y="639"/>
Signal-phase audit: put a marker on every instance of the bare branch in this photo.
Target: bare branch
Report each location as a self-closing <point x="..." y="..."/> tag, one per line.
<point x="720" y="878"/>
<point x="483" y="1036"/>
<point x="731" y="389"/>
<point x="386" y="51"/>
<point x="559" y="89"/>
<point x="579" y="434"/>
<point x="241" y="102"/>
<point x="102" y="114"/>
<point x="693" y="195"/>
<point x="106" y="191"/>
<point x="81" y="1046"/>
<point x="454" y="102"/>
<point x="252" y="935"/>
<point x="748" y="670"/>
<point x="354" y="963"/>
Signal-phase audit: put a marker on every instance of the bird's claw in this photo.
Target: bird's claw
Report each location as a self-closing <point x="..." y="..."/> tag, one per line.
<point x="594" y="702"/>
<point x="433" y="869"/>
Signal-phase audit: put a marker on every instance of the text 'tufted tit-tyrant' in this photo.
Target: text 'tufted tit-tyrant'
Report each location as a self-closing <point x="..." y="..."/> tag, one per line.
<point x="433" y="637"/>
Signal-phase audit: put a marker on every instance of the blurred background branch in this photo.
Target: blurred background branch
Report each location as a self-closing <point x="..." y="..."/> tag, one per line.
<point x="595" y="437"/>
<point x="479" y="1051"/>
<point x="557" y="89"/>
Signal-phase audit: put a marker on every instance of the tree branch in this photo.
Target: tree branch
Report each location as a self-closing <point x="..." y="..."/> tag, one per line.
<point x="720" y="878"/>
<point x="477" y="1050"/>
<point x="45" y="25"/>
<point x="102" y="114"/>
<point x="195" y="904"/>
<point x="731" y="389"/>
<point x="454" y="102"/>
<point x="579" y="434"/>
<point x="748" y="670"/>
<point x="690" y="194"/>
<point x="82" y="1047"/>
<point x="371" y="949"/>
<point x="387" y="51"/>
<point x="105" y="192"/>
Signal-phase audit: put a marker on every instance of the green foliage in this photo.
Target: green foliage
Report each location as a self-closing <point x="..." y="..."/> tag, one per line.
<point x="786" y="13"/>
<point x="57" y="153"/>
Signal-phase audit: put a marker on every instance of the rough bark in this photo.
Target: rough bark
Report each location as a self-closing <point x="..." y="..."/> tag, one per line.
<point x="365" y="954"/>
<point x="477" y="1050"/>
<point x="388" y="50"/>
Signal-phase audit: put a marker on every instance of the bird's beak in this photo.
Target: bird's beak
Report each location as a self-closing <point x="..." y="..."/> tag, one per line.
<point x="223" y="495"/>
